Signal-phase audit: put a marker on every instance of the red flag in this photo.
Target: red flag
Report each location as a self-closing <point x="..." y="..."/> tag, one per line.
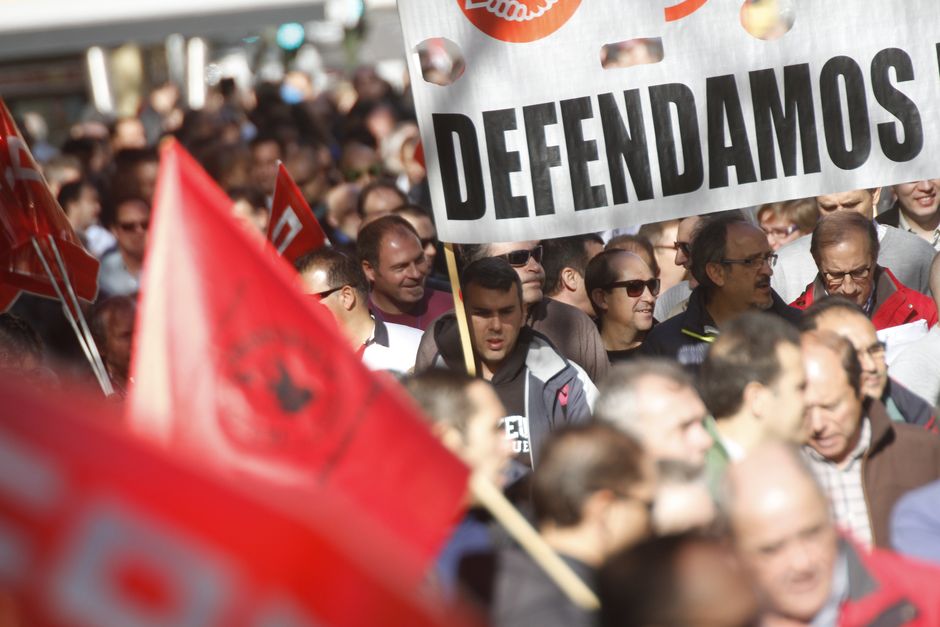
<point x="28" y="210"/>
<point x="98" y="529"/>
<point x="234" y="364"/>
<point x="292" y="230"/>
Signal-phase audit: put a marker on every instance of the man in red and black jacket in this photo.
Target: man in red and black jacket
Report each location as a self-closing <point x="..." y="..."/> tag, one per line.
<point x="845" y="247"/>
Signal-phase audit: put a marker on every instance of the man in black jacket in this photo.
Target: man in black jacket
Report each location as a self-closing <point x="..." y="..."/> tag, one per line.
<point x="733" y="263"/>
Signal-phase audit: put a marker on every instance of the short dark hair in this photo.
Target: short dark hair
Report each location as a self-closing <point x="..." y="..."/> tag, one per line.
<point x="70" y="192"/>
<point x="442" y="396"/>
<point x="18" y="340"/>
<point x="341" y="269"/>
<point x="745" y="352"/>
<point x="578" y="462"/>
<point x="600" y="272"/>
<point x="635" y="244"/>
<point x="374" y="186"/>
<point x="370" y="238"/>
<point x="492" y="273"/>
<point x="641" y="585"/>
<point x="837" y="227"/>
<point x="416" y="211"/>
<point x="565" y="252"/>
<point x="809" y="321"/>
<point x="469" y="253"/>
<point x="711" y="242"/>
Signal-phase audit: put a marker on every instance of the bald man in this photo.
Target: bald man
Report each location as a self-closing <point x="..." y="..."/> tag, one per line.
<point x="918" y="366"/>
<point x="905" y="254"/>
<point x="806" y="572"/>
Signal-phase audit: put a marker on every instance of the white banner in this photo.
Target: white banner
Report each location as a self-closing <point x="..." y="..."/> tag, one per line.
<point x="538" y="139"/>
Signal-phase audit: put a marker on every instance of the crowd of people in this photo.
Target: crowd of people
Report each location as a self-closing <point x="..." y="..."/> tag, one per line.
<point x="726" y="419"/>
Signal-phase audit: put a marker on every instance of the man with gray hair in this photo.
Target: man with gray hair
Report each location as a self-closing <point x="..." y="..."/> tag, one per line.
<point x="905" y="254"/>
<point x="655" y="401"/>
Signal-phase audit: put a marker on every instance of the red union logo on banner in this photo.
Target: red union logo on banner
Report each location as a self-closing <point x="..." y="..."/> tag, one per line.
<point x="519" y="21"/>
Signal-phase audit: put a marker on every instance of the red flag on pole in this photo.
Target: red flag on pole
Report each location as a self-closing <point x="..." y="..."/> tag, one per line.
<point x="101" y="530"/>
<point x="293" y="230"/>
<point x="28" y="211"/>
<point x="234" y="364"/>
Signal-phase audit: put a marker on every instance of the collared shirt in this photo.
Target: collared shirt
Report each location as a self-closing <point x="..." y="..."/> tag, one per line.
<point x="391" y="347"/>
<point x="904" y="224"/>
<point x="844" y="486"/>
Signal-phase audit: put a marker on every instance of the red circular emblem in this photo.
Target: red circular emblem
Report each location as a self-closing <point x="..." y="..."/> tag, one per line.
<point x="519" y="21"/>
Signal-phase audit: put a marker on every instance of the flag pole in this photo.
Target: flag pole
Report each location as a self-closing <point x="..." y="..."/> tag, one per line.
<point x="491" y="498"/>
<point x="92" y="346"/>
<point x="70" y="317"/>
<point x="459" y="310"/>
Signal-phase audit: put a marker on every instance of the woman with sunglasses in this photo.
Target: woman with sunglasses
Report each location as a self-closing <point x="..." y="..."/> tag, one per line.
<point x="623" y="291"/>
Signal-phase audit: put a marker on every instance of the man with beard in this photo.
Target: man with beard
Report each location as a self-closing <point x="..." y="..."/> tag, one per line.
<point x="733" y="263"/>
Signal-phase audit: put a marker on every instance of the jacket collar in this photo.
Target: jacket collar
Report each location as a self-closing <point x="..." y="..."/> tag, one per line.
<point x="882" y="430"/>
<point x="697" y="316"/>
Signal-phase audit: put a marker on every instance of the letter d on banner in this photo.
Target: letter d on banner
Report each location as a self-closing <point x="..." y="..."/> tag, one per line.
<point x="446" y="126"/>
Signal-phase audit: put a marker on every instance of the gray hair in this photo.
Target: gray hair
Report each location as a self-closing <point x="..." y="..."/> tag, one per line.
<point x="618" y="400"/>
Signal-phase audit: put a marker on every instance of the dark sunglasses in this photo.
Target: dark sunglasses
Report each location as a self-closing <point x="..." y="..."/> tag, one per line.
<point x="352" y="174"/>
<point x="684" y="247"/>
<point x="143" y="225"/>
<point x="635" y="287"/>
<point x="325" y="293"/>
<point x="518" y="258"/>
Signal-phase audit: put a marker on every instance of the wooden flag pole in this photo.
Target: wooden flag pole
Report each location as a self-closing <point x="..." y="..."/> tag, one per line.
<point x="459" y="310"/>
<point x="490" y="497"/>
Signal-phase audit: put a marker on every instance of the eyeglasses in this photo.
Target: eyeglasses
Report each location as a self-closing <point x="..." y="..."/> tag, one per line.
<point x="353" y="174"/>
<point x="321" y="295"/>
<point x="754" y="261"/>
<point x="635" y="287"/>
<point x="684" y="247"/>
<point x="780" y="231"/>
<point x="519" y="258"/>
<point x="129" y="227"/>
<point x="838" y="278"/>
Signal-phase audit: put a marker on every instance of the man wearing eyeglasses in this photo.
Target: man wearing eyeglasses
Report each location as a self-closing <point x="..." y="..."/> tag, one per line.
<point x="863" y="460"/>
<point x="675" y="299"/>
<point x="905" y="254"/>
<point x="845" y="247"/>
<point x="120" y="268"/>
<point x="733" y="263"/>
<point x="845" y="318"/>
<point x="336" y="281"/>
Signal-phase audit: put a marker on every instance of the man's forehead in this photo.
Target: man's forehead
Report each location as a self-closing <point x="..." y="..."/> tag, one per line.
<point x="479" y="296"/>
<point x="746" y="239"/>
<point x="316" y="277"/>
<point x="851" y="325"/>
<point x="851" y="196"/>
<point x="399" y="240"/>
<point x="631" y="266"/>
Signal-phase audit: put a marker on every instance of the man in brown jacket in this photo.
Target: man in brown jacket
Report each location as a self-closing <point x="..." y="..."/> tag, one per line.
<point x="863" y="461"/>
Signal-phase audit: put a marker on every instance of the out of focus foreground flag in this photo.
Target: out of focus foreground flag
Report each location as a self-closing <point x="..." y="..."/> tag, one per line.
<point x="293" y="230"/>
<point x="98" y="529"/>
<point x="28" y="210"/>
<point x="233" y="364"/>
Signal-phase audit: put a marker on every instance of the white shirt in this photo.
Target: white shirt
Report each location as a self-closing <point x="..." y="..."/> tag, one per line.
<point x="391" y="347"/>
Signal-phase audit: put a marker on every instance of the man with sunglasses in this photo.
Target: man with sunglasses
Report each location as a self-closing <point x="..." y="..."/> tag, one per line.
<point x="119" y="274"/>
<point x="845" y="247"/>
<point x="623" y="291"/>
<point x="336" y="281"/>
<point x="674" y="300"/>
<point x="845" y="318"/>
<point x="394" y="262"/>
<point x="733" y="263"/>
